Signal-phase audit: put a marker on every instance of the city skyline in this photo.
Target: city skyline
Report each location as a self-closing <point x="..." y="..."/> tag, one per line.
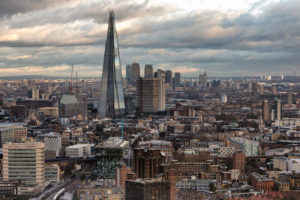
<point x="239" y="38"/>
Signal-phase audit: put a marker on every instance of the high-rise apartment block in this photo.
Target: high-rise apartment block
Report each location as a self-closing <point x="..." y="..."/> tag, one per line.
<point x="274" y="90"/>
<point x="147" y="95"/>
<point x="161" y="75"/>
<point x="239" y="161"/>
<point x="278" y="109"/>
<point x="151" y="95"/>
<point x="265" y="110"/>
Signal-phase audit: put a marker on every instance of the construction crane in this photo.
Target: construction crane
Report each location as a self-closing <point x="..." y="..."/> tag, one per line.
<point x="71" y="80"/>
<point x="76" y="84"/>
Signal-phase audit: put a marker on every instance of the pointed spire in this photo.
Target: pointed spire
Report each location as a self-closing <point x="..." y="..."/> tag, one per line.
<point x="111" y="102"/>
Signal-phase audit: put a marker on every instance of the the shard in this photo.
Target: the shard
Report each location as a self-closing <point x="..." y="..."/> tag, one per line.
<point x="111" y="102"/>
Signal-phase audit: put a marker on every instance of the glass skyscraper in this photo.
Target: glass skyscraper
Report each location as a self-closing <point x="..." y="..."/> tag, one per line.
<point x="111" y="102"/>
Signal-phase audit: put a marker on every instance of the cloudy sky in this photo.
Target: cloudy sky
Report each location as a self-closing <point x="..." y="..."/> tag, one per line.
<point x="225" y="38"/>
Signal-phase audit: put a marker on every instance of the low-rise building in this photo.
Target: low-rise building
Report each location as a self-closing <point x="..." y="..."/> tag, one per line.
<point x="261" y="182"/>
<point x="52" y="142"/>
<point x="249" y="147"/>
<point x="12" y="132"/>
<point x="52" y="173"/>
<point x="202" y="185"/>
<point x="79" y="150"/>
<point x="286" y="164"/>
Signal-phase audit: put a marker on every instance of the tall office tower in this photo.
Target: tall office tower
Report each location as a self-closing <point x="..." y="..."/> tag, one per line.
<point x="147" y="162"/>
<point x="261" y="89"/>
<point x="31" y="170"/>
<point x="274" y="90"/>
<point x="169" y="77"/>
<point x="265" y="110"/>
<point x="147" y="95"/>
<point x="111" y="102"/>
<point x="203" y="80"/>
<point x="254" y="88"/>
<point x="177" y="79"/>
<point x="128" y="72"/>
<point x="34" y="93"/>
<point x="278" y="109"/>
<point x="223" y="98"/>
<point x="239" y="161"/>
<point x="290" y="98"/>
<point x="148" y="71"/>
<point x="161" y="75"/>
<point x="130" y="103"/>
<point x="135" y="71"/>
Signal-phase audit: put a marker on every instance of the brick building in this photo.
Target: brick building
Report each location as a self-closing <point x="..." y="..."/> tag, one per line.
<point x="260" y="182"/>
<point x="147" y="189"/>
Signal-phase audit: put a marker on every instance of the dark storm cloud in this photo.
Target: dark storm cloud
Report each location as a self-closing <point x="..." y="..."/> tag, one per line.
<point x="97" y="11"/>
<point x="11" y="7"/>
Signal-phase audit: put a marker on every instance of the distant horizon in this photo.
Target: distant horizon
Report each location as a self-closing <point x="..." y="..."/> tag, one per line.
<point x="42" y="77"/>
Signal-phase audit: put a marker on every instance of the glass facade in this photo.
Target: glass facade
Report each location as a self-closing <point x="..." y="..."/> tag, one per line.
<point x="111" y="103"/>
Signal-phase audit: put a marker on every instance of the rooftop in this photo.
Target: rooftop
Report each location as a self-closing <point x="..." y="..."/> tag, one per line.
<point x="68" y="99"/>
<point x="114" y="142"/>
<point x="79" y="145"/>
<point x="5" y="124"/>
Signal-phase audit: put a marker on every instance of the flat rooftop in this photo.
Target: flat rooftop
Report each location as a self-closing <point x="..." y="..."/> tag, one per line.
<point x="5" y="124"/>
<point x="114" y="142"/>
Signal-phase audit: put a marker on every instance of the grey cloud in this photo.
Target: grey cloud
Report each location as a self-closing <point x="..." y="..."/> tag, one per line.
<point x="247" y="43"/>
<point x="11" y="7"/>
<point x="97" y="11"/>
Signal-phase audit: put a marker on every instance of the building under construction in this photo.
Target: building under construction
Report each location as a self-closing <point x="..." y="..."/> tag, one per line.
<point x="109" y="155"/>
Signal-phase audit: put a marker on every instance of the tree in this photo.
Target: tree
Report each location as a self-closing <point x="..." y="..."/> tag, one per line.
<point x="212" y="187"/>
<point x="275" y="187"/>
